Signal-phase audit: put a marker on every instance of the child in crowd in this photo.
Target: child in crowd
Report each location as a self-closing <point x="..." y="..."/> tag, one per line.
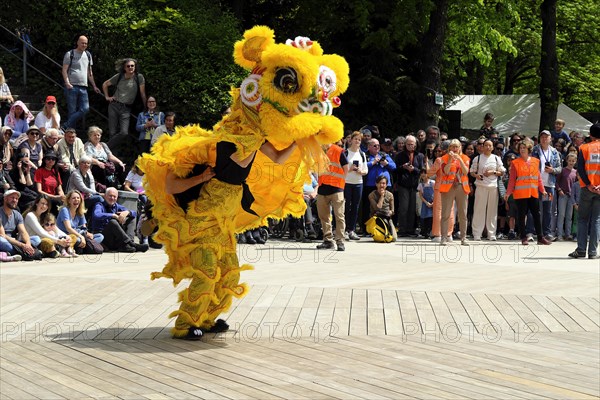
<point x="564" y="185"/>
<point x="425" y="190"/>
<point x="48" y="221"/>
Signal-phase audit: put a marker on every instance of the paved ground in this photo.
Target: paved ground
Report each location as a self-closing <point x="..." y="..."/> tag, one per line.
<point x="403" y="320"/>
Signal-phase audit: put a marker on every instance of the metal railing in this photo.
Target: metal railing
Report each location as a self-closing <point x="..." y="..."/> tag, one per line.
<point x="27" y="64"/>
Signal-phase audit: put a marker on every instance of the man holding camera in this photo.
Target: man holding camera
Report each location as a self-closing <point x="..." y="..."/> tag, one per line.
<point x="550" y="168"/>
<point x="378" y="163"/>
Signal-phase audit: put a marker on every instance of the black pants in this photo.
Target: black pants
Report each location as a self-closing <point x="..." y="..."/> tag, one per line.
<point x="407" y="202"/>
<point x="529" y="204"/>
<point x="116" y="236"/>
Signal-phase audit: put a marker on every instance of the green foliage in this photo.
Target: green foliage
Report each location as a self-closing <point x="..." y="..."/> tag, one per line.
<point x="184" y="48"/>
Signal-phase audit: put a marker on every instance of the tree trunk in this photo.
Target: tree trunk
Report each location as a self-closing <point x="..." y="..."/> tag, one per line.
<point x="548" y="66"/>
<point x="429" y="75"/>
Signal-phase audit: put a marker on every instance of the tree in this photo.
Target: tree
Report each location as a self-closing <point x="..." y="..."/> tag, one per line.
<point x="548" y="66"/>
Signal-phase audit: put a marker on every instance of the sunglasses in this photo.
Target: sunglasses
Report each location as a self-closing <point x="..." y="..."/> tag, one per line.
<point x="499" y="148"/>
<point x="130" y="66"/>
<point x="51" y="103"/>
<point x="34" y="133"/>
<point x="49" y="224"/>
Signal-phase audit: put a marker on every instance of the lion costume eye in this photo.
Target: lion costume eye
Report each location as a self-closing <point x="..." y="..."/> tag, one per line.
<point x="327" y="80"/>
<point x="286" y="79"/>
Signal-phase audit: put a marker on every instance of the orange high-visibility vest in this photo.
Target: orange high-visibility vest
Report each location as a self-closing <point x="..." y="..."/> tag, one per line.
<point x="526" y="183"/>
<point x="591" y="156"/>
<point x="334" y="176"/>
<point x="448" y="180"/>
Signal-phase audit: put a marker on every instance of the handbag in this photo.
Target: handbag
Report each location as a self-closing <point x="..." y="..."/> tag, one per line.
<point x="37" y="254"/>
<point x="92" y="247"/>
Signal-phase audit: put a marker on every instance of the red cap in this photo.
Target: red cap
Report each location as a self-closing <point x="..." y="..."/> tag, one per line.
<point x="50" y="99"/>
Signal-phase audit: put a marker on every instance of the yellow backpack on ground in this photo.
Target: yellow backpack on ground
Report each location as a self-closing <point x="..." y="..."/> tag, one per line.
<point x="380" y="229"/>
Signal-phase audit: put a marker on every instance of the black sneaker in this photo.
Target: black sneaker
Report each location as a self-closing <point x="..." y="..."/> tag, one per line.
<point x="140" y="247"/>
<point x="194" y="333"/>
<point x="593" y="256"/>
<point x="128" y="248"/>
<point x="576" y="254"/>
<point x="341" y="247"/>
<point x="219" y="326"/>
<point x="153" y="244"/>
<point x="326" y="246"/>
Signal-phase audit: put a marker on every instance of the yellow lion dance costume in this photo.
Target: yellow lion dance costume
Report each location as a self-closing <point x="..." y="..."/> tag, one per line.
<point x="287" y="101"/>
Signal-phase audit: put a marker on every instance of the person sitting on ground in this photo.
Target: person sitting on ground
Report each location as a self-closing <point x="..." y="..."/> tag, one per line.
<point x="49" y="223"/>
<point x="13" y="227"/>
<point x="49" y="116"/>
<point x="105" y="165"/>
<point x="47" y="181"/>
<point x="71" y="219"/>
<point x="34" y="219"/>
<point x="32" y="147"/>
<point x="381" y="204"/>
<point x="83" y="181"/>
<point x="116" y="223"/>
<point x="18" y="119"/>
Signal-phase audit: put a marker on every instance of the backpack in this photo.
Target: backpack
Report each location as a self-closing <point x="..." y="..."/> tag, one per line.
<point x="72" y="53"/>
<point x="380" y="229"/>
<point x="362" y="155"/>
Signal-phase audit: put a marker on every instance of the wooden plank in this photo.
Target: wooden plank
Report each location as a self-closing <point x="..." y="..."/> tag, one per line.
<point x="581" y="319"/>
<point x="591" y="302"/>
<point x="151" y="366"/>
<point x="287" y="327"/>
<point x="510" y="316"/>
<point x="375" y="314"/>
<point x="585" y="309"/>
<point x="540" y="388"/>
<point x="72" y="383"/>
<point x="542" y="314"/>
<point x="459" y="314"/>
<point x="427" y="320"/>
<point x="411" y="324"/>
<point x="525" y="313"/>
<point x="447" y="324"/>
<point x="15" y="386"/>
<point x="391" y="311"/>
<point x="313" y="298"/>
<point x="492" y="314"/>
<point x="358" y="312"/>
<point x="563" y="318"/>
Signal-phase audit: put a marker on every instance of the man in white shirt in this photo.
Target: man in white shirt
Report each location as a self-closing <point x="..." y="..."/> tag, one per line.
<point x="486" y="168"/>
<point x="168" y="127"/>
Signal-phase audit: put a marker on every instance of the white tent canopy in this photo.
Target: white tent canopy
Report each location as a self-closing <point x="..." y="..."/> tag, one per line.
<point x="513" y="113"/>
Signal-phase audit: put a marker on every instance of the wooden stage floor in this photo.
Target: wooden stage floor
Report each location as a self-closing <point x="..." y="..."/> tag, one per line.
<point x="378" y="321"/>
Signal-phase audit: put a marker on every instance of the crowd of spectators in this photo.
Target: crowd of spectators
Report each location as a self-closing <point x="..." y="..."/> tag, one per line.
<point x="64" y="188"/>
<point x="480" y="198"/>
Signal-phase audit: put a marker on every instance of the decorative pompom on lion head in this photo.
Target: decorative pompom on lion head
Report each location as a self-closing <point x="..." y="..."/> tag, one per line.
<point x="293" y="87"/>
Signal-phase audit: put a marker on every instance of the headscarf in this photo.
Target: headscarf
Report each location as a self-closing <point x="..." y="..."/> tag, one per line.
<point x="12" y="120"/>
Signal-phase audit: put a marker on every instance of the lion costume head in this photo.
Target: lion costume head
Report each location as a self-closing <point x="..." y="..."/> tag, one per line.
<point x="293" y="87"/>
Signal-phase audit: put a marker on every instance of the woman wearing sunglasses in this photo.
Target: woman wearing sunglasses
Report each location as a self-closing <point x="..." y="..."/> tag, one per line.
<point x="49" y="116"/>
